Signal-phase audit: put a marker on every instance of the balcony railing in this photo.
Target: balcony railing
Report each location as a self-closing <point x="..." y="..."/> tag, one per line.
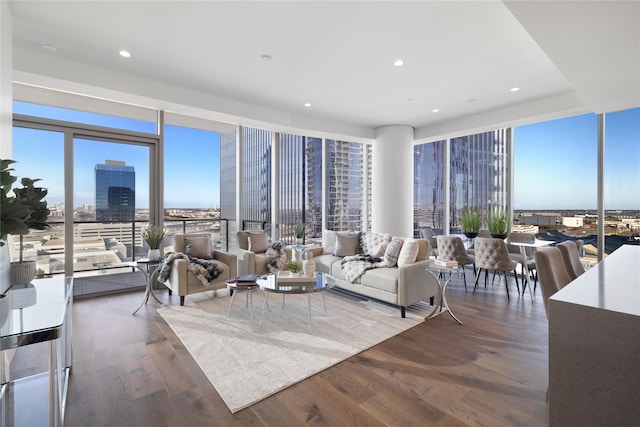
<point x="106" y="247"/>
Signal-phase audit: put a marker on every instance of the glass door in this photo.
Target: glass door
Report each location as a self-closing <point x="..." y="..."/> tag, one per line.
<point x="111" y="208"/>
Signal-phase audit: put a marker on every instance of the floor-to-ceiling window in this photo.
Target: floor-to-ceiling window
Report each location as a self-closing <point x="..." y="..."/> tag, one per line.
<point x="347" y="174"/>
<point x="622" y="178"/>
<point x="255" y="187"/>
<point x="192" y="183"/>
<point x="479" y="175"/>
<point x="428" y="186"/>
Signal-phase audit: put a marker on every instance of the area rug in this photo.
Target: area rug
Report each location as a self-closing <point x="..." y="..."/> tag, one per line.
<point x="247" y="362"/>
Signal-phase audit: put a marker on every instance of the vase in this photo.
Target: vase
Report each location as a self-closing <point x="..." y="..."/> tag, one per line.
<point x="309" y="265"/>
<point x="499" y="236"/>
<point x="22" y="272"/>
<point x="154" y="254"/>
<point x="471" y="234"/>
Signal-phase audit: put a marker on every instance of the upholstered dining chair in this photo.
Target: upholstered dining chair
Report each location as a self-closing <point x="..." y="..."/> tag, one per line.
<point x="492" y="255"/>
<point x="571" y="258"/>
<point x="452" y="248"/>
<point x="483" y="232"/>
<point x="427" y="233"/>
<point x="515" y="252"/>
<point x="552" y="273"/>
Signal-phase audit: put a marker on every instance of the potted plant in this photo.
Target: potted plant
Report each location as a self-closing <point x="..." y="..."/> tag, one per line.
<point x="471" y="223"/>
<point x="25" y="210"/>
<point x="499" y="224"/>
<point x="298" y="230"/>
<point x="154" y="236"/>
<point x="293" y="267"/>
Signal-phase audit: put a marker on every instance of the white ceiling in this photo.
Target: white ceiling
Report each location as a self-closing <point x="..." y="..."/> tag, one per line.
<point x="203" y="58"/>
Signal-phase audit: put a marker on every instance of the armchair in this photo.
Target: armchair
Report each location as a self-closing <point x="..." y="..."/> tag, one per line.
<point x="252" y="252"/>
<point x="184" y="282"/>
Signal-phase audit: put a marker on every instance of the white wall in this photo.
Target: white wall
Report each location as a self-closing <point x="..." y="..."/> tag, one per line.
<point x="6" y="69"/>
<point x="392" y="181"/>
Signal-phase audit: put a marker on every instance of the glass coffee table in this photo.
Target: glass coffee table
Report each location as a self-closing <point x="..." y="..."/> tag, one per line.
<point x="279" y="283"/>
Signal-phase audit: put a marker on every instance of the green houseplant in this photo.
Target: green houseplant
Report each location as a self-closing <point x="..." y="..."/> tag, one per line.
<point x="293" y="267"/>
<point x="499" y="224"/>
<point x="154" y="236"/>
<point x="471" y="222"/>
<point x="298" y="230"/>
<point x="21" y="212"/>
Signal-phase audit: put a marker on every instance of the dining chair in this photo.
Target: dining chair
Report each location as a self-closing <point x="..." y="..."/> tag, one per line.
<point x="427" y="233"/>
<point x="571" y="258"/>
<point x="452" y="248"/>
<point x="552" y="272"/>
<point x="492" y="255"/>
<point x="515" y="253"/>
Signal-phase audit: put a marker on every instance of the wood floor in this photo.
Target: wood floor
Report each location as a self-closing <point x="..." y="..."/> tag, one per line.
<point x="491" y="371"/>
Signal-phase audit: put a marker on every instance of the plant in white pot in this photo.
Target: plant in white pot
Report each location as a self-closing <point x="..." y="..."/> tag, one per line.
<point x="22" y="211"/>
<point x="154" y="236"/>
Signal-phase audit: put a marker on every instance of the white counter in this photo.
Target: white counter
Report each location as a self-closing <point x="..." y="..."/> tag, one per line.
<point x="594" y="345"/>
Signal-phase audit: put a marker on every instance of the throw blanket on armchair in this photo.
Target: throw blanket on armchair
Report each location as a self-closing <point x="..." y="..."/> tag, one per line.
<point x="207" y="271"/>
<point x="355" y="266"/>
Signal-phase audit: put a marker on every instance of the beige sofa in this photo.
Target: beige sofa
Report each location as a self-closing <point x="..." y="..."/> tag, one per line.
<point x="402" y="286"/>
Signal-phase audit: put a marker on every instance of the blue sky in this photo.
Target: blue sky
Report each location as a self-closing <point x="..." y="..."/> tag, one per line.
<point x="555" y="162"/>
<point x="192" y="178"/>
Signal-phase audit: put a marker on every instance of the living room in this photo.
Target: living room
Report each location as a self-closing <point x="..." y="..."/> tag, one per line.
<point x="563" y="68"/>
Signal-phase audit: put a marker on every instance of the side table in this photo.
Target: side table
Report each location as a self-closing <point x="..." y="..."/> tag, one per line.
<point x="438" y="272"/>
<point x="150" y="269"/>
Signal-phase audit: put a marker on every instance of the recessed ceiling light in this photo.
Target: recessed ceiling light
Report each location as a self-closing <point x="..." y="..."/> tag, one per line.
<point x="409" y="99"/>
<point x="471" y="100"/>
<point x="515" y="89"/>
<point x="125" y="54"/>
<point x="435" y="110"/>
<point x="48" y="47"/>
<point x="266" y="58"/>
<point x="307" y="104"/>
<point x="398" y="63"/>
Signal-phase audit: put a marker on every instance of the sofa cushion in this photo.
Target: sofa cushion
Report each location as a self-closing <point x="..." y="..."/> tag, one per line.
<point x="374" y="244"/>
<point x="324" y="262"/>
<point x="393" y="251"/>
<point x="336" y="271"/>
<point x="347" y="244"/>
<point x="258" y="242"/>
<point x="243" y="240"/>
<point x="198" y="246"/>
<point x="328" y="242"/>
<point x="408" y="253"/>
<point x="423" y="249"/>
<point x="261" y="263"/>
<point x="385" y="279"/>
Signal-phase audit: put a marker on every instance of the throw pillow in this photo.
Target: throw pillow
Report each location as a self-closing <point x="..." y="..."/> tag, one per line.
<point x="328" y="242"/>
<point x="198" y="246"/>
<point x="276" y="257"/>
<point x="393" y="251"/>
<point x="258" y="242"/>
<point x="374" y="243"/>
<point x="423" y="251"/>
<point x="347" y="244"/>
<point x="409" y="252"/>
<point x="379" y="249"/>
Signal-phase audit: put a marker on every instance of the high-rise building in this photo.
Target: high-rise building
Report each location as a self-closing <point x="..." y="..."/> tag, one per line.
<point x="115" y="191"/>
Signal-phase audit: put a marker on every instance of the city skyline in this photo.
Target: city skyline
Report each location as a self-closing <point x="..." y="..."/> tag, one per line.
<point x="554" y="162"/>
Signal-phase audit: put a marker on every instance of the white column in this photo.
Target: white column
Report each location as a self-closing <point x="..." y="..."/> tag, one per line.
<point x="6" y="73"/>
<point x="392" y="180"/>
